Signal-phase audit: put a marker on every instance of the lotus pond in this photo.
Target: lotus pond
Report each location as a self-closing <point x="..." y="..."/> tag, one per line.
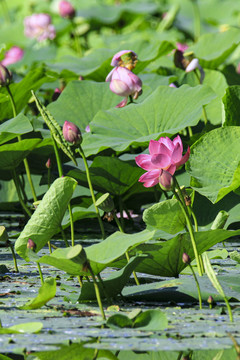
<point x="119" y="180"/>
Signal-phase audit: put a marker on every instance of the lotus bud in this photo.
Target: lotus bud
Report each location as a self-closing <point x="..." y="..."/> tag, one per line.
<point x="56" y="94"/>
<point x="48" y="163"/>
<point x="72" y="133"/>
<point x="105" y="203"/>
<point x="66" y="10"/>
<point x="210" y="301"/>
<point x="166" y="181"/>
<point x="172" y="85"/>
<point x="12" y="56"/>
<point x="179" y="59"/>
<point x="31" y="245"/>
<point x="3" y="234"/>
<point x="124" y="83"/>
<point x="193" y="65"/>
<point x="125" y="58"/>
<point x="5" y="76"/>
<point x="186" y="259"/>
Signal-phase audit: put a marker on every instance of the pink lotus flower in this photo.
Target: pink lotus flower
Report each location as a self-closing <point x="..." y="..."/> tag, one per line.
<point x="72" y="133"/>
<point x="165" y="156"/>
<point x="124" y="83"/>
<point x="66" y="9"/>
<point x="182" y="47"/>
<point x="39" y="26"/>
<point x="12" y="56"/>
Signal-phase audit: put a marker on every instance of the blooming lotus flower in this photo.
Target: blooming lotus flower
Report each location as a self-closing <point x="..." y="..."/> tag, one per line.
<point x="124" y="83"/>
<point x="125" y="58"/>
<point x="165" y="155"/>
<point x="72" y="133"/>
<point x="12" y="56"/>
<point x="66" y="9"/>
<point x="39" y="26"/>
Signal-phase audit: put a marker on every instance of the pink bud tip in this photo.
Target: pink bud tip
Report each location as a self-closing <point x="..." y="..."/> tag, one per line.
<point x="66" y="9"/>
<point x="48" y="163"/>
<point x="186" y="258"/>
<point x="5" y="76"/>
<point x="72" y="133"/>
<point x="31" y="244"/>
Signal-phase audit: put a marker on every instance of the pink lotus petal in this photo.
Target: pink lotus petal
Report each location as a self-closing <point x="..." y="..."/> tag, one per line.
<point x="161" y="161"/>
<point x="122" y="103"/>
<point x="184" y="158"/>
<point x="171" y="169"/>
<point x="192" y="65"/>
<point x="167" y="142"/>
<point x="151" y="183"/>
<point x="120" y="88"/>
<point x="154" y="147"/>
<point x="177" y="140"/>
<point x="150" y="175"/>
<point x="117" y="57"/>
<point x="182" y="47"/>
<point x="176" y="154"/>
<point x="150" y="178"/>
<point x="144" y="161"/>
<point x="109" y="77"/>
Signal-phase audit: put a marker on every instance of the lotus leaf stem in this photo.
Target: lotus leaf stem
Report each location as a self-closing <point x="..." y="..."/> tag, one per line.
<point x="91" y="190"/>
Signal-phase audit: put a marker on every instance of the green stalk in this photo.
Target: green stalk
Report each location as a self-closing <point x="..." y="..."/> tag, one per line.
<point x="14" y="257"/>
<point x="198" y="287"/>
<point x="24" y="206"/>
<point x="126" y="253"/>
<point x="80" y="281"/>
<point x="104" y="289"/>
<point x="59" y="163"/>
<point x="60" y="173"/>
<point x="190" y="131"/>
<point x="179" y="196"/>
<point x="197" y="20"/>
<point x="40" y="273"/>
<point x="76" y="40"/>
<point x="49" y="247"/>
<point x="203" y="108"/>
<point x="6" y="11"/>
<point x="121" y="212"/>
<point x="19" y="139"/>
<point x="91" y="190"/>
<point x="196" y="230"/>
<point x="71" y="223"/>
<point x="98" y="296"/>
<point x="49" y="177"/>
